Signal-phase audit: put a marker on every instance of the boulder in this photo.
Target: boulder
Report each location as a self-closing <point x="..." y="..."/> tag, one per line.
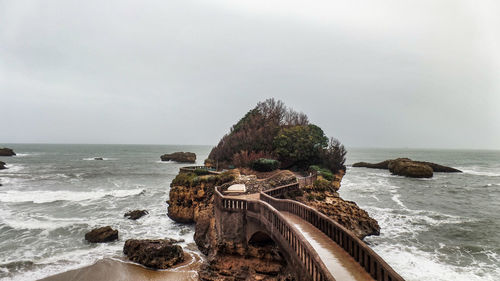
<point x="136" y="214"/>
<point x="2" y="165"/>
<point x="98" y="158"/>
<point x="181" y="157"/>
<point x="157" y="254"/>
<point x="7" y="152"/>
<point x="408" y="168"/>
<point x="101" y="235"/>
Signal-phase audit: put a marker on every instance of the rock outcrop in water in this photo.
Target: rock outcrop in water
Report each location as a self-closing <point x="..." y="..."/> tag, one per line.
<point x="102" y="235"/>
<point x="409" y="168"/>
<point x="181" y="157"/>
<point x="7" y="152"/>
<point x="157" y="254"/>
<point x="2" y="165"/>
<point x="136" y="214"/>
<point x="98" y="158"/>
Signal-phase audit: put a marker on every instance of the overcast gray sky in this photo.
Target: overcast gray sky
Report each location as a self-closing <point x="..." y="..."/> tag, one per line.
<point x="389" y="73"/>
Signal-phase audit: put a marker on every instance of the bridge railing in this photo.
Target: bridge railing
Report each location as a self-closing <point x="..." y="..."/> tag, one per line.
<point x="289" y="235"/>
<point x="355" y="247"/>
<point x="307" y="180"/>
<point x="189" y="169"/>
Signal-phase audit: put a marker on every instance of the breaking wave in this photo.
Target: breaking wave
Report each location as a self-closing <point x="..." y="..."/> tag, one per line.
<point x="44" y="196"/>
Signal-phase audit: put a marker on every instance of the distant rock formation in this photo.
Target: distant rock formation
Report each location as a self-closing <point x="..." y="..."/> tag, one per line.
<point x="7" y="152"/>
<point x="157" y="254"/>
<point x="101" y="235"/>
<point x="181" y="157"/>
<point x="409" y="168"/>
<point x="2" y="165"/>
<point x="98" y="158"/>
<point x="136" y="214"/>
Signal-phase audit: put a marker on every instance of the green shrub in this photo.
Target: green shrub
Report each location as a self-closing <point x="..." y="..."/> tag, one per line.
<point x="224" y="177"/>
<point x="310" y="197"/>
<point x="321" y="184"/>
<point x="201" y="172"/>
<point x="265" y="165"/>
<point x="326" y="173"/>
<point x="300" y="145"/>
<point x="184" y="179"/>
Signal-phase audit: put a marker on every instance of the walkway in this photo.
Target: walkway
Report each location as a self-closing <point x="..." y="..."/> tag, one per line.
<point x="340" y="264"/>
<point x="319" y="248"/>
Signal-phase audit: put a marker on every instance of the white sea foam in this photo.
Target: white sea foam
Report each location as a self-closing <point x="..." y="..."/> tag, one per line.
<point x="12" y="168"/>
<point x="481" y="171"/>
<point x="44" y="196"/>
<point x="396" y="199"/>
<point x="419" y="265"/>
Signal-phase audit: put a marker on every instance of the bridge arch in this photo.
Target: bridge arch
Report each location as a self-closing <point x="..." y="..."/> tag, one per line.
<point x="260" y="238"/>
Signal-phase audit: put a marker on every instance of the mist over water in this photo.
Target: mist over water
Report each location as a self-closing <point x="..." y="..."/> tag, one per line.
<point x="444" y="228"/>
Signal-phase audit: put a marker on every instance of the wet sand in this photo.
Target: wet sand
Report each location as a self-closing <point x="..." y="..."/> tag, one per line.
<point x="116" y="269"/>
<point x="342" y="266"/>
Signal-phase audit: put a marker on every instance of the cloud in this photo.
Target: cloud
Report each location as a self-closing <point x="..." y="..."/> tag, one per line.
<point x="391" y="73"/>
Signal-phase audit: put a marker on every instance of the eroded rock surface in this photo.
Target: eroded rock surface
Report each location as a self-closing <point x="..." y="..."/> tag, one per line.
<point x="2" y="165"/>
<point x="101" y="235"/>
<point x="136" y="214"/>
<point x="7" y="152"/>
<point x="157" y="254"/>
<point x="346" y="213"/>
<point x="408" y="168"/>
<point x="181" y="157"/>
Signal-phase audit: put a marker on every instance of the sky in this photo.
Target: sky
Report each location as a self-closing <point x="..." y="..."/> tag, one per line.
<point x="386" y="73"/>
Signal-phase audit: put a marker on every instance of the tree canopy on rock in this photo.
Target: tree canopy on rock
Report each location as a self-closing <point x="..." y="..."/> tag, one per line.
<point x="273" y="131"/>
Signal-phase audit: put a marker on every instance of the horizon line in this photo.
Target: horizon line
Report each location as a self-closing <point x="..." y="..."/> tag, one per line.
<point x="349" y="147"/>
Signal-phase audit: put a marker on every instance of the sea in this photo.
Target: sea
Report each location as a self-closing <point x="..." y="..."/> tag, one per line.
<point x="443" y="228"/>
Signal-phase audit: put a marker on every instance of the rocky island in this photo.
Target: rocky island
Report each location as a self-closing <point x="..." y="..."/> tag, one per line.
<point x="409" y="168"/>
<point x="180" y="157"/>
<point x="7" y="152"/>
<point x="270" y="147"/>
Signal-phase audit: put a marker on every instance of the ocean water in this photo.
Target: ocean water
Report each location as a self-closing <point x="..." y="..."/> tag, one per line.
<point x="53" y="194"/>
<point x="444" y="228"/>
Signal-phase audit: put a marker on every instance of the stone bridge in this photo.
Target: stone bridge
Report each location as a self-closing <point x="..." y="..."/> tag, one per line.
<point x="316" y="247"/>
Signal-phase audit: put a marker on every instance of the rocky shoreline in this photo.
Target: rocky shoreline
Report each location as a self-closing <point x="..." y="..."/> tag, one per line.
<point x="191" y="200"/>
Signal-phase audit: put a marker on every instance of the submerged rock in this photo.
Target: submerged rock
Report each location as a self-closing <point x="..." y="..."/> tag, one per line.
<point x="101" y="235"/>
<point x="7" y="152"/>
<point x="136" y="214"/>
<point x="157" y="254"/>
<point x="2" y="165"/>
<point x="181" y="157"/>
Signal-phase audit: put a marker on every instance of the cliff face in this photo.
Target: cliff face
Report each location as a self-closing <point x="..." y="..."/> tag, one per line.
<point x="227" y="255"/>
